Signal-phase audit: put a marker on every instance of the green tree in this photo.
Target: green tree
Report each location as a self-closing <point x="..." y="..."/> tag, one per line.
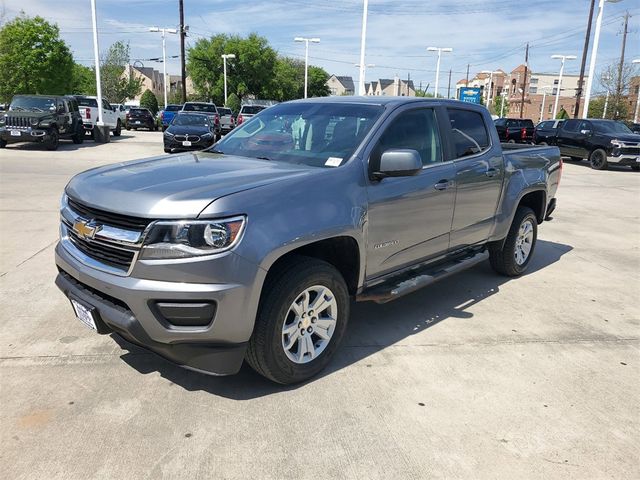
<point x="596" y="108"/>
<point x="233" y="102"/>
<point x="497" y="105"/>
<point x="562" y="114"/>
<point x="33" y="58"/>
<point x="83" y="80"/>
<point x="288" y="80"/>
<point x="250" y="73"/>
<point x="149" y="100"/>
<point x="317" y="85"/>
<point x="117" y="87"/>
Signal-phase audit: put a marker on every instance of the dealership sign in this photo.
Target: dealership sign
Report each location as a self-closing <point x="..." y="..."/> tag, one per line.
<point x="470" y="95"/>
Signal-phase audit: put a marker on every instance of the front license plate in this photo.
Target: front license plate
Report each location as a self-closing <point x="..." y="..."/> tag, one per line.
<point x="137" y="122"/>
<point x="637" y="159"/>
<point x="15" y="133"/>
<point x="186" y="143"/>
<point x="84" y="314"/>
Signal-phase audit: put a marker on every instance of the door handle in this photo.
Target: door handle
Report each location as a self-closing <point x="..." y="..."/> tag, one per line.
<point x="492" y="172"/>
<point x="443" y="184"/>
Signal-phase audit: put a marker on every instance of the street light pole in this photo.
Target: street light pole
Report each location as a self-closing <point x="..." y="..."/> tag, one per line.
<point x="439" y="50"/>
<point x="96" y="54"/>
<point x="490" y="94"/>
<point x="594" y="54"/>
<point x="368" y="65"/>
<point x="363" y="41"/>
<point x="563" y="58"/>
<point x="306" y="58"/>
<point x="544" y="96"/>
<point x="226" y="56"/>
<point x="164" y="57"/>
<point x="635" y="115"/>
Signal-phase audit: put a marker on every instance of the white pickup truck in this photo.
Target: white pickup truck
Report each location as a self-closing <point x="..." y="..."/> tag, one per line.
<point x="89" y="112"/>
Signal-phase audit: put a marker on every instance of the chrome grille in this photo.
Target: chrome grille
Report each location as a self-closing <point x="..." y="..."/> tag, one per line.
<point x="107" y="254"/>
<point x="188" y="138"/>
<point x="103" y="240"/>
<point x="20" y="122"/>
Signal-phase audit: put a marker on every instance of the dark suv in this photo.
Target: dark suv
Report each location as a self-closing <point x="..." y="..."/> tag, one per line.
<point x="140" y="118"/>
<point x="41" y="118"/>
<point x="545" y="132"/>
<point x="514" y="130"/>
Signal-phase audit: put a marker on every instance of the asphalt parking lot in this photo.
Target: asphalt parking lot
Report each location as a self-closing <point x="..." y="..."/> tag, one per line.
<point x="476" y="377"/>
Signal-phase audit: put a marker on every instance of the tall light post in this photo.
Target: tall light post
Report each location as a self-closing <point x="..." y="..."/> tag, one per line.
<point x="368" y="65"/>
<point x="164" y="31"/>
<point x="544" y="96"/>
<point x="96" y="54"/>
<point x="225" y="57"/>
<point x="306" y="58"/>
<point x="563" y="58"/>
<point x="594" y="54"/>
<point x="363" y="41"/>
<point x="504" y="95"/>
<point x="635" y="115"/>
<point x="439" y="50"/>
<point x="490" y="94"/>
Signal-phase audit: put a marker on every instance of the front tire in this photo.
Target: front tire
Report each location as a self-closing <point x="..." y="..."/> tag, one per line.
<point x="301" y="321"/>
<point x="635" y="168"/>
<point x="3" y="143"/>
<point x="598" y="159"/>
<point x="54" y="140"/>
<point x="513" y="257"/>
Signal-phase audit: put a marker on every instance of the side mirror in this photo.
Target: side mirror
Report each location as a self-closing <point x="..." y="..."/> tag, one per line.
<point x="399" y="163"/>
<point x="586" y="133"/>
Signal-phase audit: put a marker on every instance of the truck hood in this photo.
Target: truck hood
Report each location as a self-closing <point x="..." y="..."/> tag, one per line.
<point x="175" y="186"/>
<point x="625" y="137"/>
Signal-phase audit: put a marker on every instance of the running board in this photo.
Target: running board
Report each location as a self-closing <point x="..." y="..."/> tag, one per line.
<point x="416" y="279"/>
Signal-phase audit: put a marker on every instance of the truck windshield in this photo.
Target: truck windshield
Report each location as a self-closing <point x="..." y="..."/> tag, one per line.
<point x="610" y="127"/>
<point x="314" y="134"/>
<point x="33" y="104"/>
<point x="251" y="109"/>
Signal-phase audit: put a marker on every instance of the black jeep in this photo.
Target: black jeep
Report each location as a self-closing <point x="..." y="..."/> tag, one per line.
<point x="41" y="118"/>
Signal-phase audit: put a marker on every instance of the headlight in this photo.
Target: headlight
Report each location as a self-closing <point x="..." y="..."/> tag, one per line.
<point x="34" y="122"/>
<point x="63" y="201"/>
<point x="168" y="134"/>
<point x="191" y="238"/>
<point x="616" y="143"/>
<point x="207" y="135"/>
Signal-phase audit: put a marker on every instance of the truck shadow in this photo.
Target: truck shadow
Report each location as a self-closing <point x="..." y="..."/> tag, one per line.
<point x="65" y="145"/>
<point x="372" y="328"/>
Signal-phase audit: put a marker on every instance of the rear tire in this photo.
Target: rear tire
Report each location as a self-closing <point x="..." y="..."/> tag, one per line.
<point x="576" y="159"/>
<point x="635" y="168"/>
<point x="118" y="130"/>
<point x="509" y="258"/>
<point x="598" y="159"/>
<point x="286" y="306"/>
<point x="54" y="140"/>
<point x="167" y="150"/>
<point x="3" y="143"/>
<point x="78" y="138"/>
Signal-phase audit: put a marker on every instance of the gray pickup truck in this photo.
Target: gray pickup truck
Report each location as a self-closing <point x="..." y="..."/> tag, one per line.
<point x="254" y="249"/>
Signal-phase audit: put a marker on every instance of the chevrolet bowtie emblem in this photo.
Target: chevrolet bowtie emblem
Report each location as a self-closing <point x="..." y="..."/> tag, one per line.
<point x="84" y="230"/>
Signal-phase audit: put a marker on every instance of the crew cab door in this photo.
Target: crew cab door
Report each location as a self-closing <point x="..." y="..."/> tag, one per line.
<point x="64" y="116"/>
<point x="568" y="138"/>
<point x="409" y="218"/>
<point x="479" y="173"/>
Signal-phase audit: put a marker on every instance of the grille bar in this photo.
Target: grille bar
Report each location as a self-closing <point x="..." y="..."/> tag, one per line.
<point x="109" y="218"/>
<point x="114" y="257"/>
<point x="18" y="122"/>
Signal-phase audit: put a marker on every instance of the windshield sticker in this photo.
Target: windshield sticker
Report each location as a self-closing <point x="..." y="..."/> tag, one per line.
<point x="333" y="162"/>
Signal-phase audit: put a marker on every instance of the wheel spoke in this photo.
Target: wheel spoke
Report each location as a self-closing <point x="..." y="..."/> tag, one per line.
<point x="526" y="248"/>
<point x="321" y="302"/>
<point x="293" y="338"/>
<point x="302" y="348"/>
<point x="322" y="332"/>
<point x="310" y="346"/>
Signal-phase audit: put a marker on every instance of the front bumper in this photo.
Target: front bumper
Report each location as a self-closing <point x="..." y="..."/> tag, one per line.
<point x="25" y="134"/>
<point x="624" y="159"/>
<point x="126" y="306"/>
<point x="201" y="145"/>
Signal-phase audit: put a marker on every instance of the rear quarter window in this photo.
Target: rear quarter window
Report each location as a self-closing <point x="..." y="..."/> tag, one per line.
<point x="527" y="123"/>
<point x="468" y="131"/>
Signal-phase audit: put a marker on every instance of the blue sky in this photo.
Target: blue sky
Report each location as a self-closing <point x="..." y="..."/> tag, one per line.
<point x="488" y="34"/>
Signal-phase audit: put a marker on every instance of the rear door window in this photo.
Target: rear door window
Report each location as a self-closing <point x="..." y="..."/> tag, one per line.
<point x="468" y="131"/>
<point x="571" y="126"/>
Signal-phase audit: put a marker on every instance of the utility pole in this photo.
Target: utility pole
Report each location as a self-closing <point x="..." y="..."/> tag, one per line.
<point x="408" y="80"/>
<point x="619" y="86"/>
<point x="363" y="40"/>
<point x="524" y="83"/>
<point x="468" y="65"/>
<point x="449" y="87"/>
<point x="584" y="60"/>
<point x="183" y="34"/>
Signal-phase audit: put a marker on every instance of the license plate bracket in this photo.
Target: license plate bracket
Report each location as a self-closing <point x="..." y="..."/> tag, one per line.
<point x="16" y="133"/>
<point x="85" y="313"/>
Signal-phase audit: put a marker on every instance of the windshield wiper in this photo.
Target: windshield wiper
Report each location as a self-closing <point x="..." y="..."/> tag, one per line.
<point x="17" y="109"/>
<point x="36" y="109"/>
<point x="217" y="151"/>
<point x="263" y="158"/>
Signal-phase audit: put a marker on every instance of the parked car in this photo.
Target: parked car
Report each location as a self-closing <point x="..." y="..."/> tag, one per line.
<point x="89" y="112"/>
<point x="545" y="132"/>
<point x="121" y="111"/>
<point x="141" y="118"/>
<point x="209" y="109"/>
<point x="167" y="115"/>
<point x="189" y="131"/>
<point x="515" y="130"/>
<point x="248" y="111"/>
<point x="227" y="120"/>
<point x="602" y="142"/>
<point x="254" y="248"/>
<point x="41" y="118"/>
